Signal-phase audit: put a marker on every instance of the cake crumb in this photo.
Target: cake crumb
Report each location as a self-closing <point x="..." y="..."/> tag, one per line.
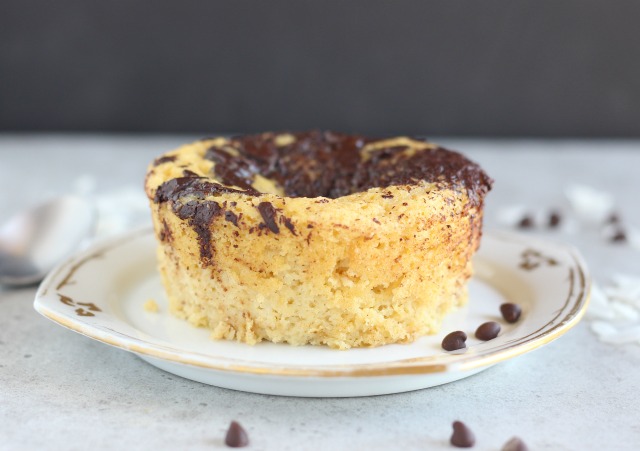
<point x="151" y="306"/>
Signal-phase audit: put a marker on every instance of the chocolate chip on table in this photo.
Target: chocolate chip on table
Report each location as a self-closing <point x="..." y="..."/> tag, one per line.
<point x="515" y="444"/>
<point x="488" y="331"/>
<point x="619" y="236"/>
<point x="236" y="436"/>
<point x="613" y="218"/>
<point x="526" y="222"/>
<point x="554" y="219"/>
<point x="454" y="341"/>
<point x="510" y="312"/>
<point x="462" y="436"/>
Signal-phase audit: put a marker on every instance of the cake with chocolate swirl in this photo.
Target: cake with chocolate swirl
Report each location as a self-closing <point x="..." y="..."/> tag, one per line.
<point x="316" y="238"/>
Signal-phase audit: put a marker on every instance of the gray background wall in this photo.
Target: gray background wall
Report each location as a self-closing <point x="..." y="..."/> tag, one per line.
<point x="492" y="68"/>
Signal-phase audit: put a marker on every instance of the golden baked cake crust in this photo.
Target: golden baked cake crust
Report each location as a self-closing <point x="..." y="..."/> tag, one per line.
<point x="316" y="237"/>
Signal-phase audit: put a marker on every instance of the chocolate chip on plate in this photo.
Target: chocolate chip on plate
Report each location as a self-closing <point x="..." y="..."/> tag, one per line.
<point x="462" y="436"/>
<point x="510" y="312"/>
<point x="454" y="341"/>
<point x="236" y="436"/>
<point x="515" y="444"/>
<point x="488" y="331"/>
<point x="526" y="222"/>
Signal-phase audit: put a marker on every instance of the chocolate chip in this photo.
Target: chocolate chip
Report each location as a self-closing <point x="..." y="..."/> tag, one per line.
<point x="236" y="436"/>
<point x="454" y="341"/>
<point x="289" y="225"/>
<point x="462" y="436"/>
<point x="268" y="213"/>
<point x="515" y="444"/>
<point x="510" y="312"/>
<point x="488" y="331"/>
<point x="554" y="219"/>
<point x="613" y="218"/>
<point x="231" y="217"/>
<point x="619" y="236"/>
<point x="526" y="222"/>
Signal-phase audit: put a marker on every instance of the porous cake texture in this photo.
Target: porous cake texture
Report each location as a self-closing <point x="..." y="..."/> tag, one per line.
<point x="316" y="238"/>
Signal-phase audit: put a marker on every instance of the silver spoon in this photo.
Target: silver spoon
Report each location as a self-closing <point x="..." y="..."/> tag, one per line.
<point x="34" y="241"/>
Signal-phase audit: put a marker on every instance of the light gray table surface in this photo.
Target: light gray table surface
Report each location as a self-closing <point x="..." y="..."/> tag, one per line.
<point x="61" y="390"/>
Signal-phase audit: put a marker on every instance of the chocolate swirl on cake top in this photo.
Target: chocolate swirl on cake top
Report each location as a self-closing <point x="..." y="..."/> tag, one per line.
<point x="332" y="165"/>
<point x="327" y="164"/>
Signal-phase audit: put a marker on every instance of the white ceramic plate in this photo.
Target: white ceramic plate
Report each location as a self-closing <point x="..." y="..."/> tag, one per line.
<point x="101" y="292"/>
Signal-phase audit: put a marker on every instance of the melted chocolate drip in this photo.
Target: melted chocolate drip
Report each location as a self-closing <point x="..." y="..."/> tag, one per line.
<point x="200" y="215"/>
